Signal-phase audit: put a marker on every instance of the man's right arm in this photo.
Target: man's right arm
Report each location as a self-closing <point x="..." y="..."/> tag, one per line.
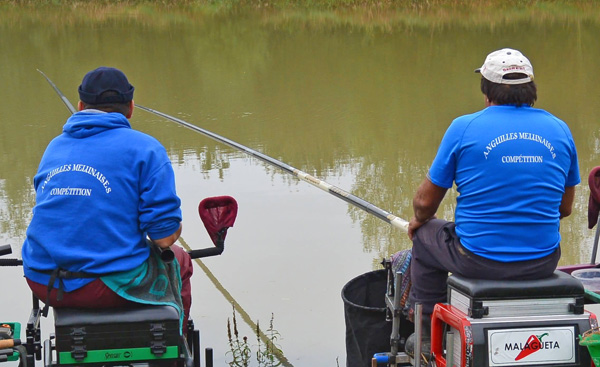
<point x="425" y="204"/>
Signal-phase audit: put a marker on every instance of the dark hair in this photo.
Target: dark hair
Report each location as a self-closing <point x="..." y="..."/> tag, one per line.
<point x="513" y="94"/>
<point x="120" y="107"/>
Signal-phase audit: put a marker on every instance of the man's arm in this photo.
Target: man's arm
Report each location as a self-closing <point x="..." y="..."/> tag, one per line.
<point x="166" y="242"/>
<point x="425" y="204"/>
<point x="566" y="204"/>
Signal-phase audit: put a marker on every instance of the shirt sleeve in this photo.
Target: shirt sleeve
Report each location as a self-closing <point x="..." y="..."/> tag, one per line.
<point x="159" y="206"/>
<point x="573" y="177"/>
<point x="443" y="168"/>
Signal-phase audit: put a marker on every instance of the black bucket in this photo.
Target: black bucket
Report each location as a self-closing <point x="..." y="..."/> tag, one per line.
<point x="367" y="331"/>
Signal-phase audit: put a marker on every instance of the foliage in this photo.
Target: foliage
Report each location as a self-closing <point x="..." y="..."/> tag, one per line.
<point x="370" y="8"/>
<point x="240" y="351"/>
<point x="266" y="352"/>
<point x="368" y="15"/>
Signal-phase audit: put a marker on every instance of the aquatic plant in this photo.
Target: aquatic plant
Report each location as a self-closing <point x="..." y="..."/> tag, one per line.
<point x="266" y="353"/>
<point x="241" y="351"/>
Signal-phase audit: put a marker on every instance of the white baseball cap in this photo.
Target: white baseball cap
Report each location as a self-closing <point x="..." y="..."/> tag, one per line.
<point x="506" y="61"/>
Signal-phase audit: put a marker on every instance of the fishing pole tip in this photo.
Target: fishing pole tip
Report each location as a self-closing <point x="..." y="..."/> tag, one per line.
<point x="41" y="72"/>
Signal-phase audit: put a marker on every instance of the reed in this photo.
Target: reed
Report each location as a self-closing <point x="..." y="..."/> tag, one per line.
<point x="240" y="351"/>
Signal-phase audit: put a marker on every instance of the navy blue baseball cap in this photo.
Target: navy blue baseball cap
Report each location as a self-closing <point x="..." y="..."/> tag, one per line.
<point x="105" y="79"/>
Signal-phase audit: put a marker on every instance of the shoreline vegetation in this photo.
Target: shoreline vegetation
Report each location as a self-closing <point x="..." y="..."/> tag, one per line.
<point x="385" y="15"/>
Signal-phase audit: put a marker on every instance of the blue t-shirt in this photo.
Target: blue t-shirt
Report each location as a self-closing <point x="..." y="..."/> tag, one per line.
<point x="511" y="166"/>
<point x="101" y="187"/>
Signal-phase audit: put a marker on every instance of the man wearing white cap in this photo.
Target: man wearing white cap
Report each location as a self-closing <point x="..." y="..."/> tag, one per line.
<point x="515" y="169"/>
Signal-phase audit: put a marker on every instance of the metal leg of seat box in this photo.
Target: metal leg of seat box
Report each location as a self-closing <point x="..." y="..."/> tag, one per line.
<point x="392" y="300"/>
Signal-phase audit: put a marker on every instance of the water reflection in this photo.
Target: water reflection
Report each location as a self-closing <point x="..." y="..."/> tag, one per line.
<point x="361" y="107"/>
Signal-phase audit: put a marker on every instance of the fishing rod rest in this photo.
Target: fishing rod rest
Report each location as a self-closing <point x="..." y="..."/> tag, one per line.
<point x="5" y="250"/>
<point x="211" y="251"/>
<point x="167" y="254"/>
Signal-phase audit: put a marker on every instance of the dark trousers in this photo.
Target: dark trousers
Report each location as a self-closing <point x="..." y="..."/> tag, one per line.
<point x="97" y="295"/>
<point x="437" y="251"/>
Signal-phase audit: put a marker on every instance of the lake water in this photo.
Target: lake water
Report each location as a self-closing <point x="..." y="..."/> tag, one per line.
<point x="360" y="106"/>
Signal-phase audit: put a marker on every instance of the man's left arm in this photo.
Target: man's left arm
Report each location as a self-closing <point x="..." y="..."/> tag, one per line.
<point x="168" y="241"/>
<point x="160" y="207"/>
<point x="566" y="204"/>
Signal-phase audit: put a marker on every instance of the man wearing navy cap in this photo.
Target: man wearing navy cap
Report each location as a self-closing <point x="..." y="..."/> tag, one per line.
<point x="515" y="169"/>
<point x="102" y="189"/>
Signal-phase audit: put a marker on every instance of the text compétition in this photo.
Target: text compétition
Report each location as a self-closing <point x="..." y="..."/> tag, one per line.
<point x="76" y="168"/>
<point x="519" y="136"/>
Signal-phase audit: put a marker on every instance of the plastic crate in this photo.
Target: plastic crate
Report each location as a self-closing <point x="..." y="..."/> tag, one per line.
<point x="591" y="339"/>
<point x="16" y="331"/>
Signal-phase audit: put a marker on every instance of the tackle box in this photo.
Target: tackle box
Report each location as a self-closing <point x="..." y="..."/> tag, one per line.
<point x="117" y="335"/>
<point x="558" y="294"/>
<point x="493" y="323"/>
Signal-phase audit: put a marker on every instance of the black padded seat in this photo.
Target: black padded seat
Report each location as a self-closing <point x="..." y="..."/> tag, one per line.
<point x="143" y="313"/>
<point x="559" y="285"/>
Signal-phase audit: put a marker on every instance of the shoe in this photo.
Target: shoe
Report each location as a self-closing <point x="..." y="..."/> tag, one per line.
<point x="409" y="346"/>
<point x="409" y="349"/>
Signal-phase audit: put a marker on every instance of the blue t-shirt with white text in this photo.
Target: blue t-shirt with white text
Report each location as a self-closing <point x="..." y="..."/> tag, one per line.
<point x="511" y="166"/>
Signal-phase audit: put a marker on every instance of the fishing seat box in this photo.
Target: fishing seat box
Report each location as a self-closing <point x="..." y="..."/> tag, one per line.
<point x="490" y="322"/>
<point x="114" y="336"/>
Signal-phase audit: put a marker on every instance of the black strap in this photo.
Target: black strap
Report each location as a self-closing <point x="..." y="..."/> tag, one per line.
<point x="60" y="274"/>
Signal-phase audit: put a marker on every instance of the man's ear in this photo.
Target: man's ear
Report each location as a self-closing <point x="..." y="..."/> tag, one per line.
<point x="488" y="102"/>
<point x="79" y="106"/>
<point x="131" y="107"/>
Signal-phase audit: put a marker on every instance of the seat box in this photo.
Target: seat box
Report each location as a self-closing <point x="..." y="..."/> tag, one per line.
<point x="113" y="335"/>
<point x="559" y="294"/>
<point x="491" y="323"/>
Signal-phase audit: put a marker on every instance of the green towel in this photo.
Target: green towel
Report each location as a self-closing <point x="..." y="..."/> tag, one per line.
<point x="154" y="282"/>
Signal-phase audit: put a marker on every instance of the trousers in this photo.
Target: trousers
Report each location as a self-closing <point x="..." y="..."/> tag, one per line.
<point x="97" y="295"/>
<point x="437" y="251"/>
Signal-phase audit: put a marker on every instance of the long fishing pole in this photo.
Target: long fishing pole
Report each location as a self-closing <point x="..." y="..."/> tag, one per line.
<point x="62" y="96"/>
<point x="336" y="191"/>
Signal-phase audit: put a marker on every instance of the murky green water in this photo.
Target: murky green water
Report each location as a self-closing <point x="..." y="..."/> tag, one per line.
<point x="359" y="107"/>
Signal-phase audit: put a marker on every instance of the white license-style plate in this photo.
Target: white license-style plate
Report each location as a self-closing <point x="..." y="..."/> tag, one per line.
<point x="544" y="345"/>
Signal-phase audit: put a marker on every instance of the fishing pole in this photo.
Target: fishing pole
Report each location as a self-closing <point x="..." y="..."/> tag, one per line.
<point x="334" y="190"/>
<point x="62" y="96"/>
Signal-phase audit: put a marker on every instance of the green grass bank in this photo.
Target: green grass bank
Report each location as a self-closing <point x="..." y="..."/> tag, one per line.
<point x="382" y="14"/>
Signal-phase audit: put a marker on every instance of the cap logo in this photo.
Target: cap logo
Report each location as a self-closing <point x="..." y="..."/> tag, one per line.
<point x="514" y="67"/>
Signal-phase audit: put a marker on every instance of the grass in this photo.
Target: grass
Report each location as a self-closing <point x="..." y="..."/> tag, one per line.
<point x="386" y="13"/>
